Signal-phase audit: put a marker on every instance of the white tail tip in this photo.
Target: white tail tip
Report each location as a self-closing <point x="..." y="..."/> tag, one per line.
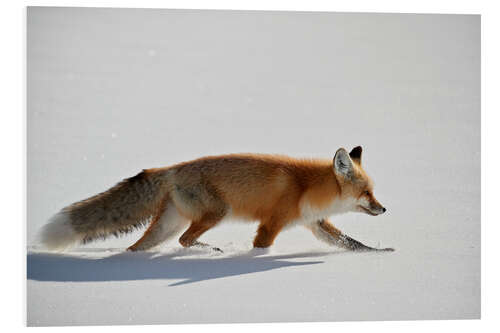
<point x="58" y="234"/>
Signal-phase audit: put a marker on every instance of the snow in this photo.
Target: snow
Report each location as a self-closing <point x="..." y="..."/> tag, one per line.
<point x="102" y="106"/>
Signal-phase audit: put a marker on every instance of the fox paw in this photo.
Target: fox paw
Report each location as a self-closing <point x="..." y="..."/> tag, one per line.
<point x="258" y="251"/>
<point x="132" y="248"/>
<point x="387" y="249"/>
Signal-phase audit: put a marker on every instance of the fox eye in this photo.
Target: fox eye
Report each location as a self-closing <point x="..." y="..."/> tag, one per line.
<point x="366" y="192"/>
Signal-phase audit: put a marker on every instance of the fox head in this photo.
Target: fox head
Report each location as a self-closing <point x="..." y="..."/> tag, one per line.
<point x="355" y="185"/>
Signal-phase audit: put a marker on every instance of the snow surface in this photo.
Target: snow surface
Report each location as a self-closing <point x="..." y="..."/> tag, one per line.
<point x="111" y="92"/>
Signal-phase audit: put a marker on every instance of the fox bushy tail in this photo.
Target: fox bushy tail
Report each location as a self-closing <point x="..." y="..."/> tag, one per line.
<point x="121" y="209"/>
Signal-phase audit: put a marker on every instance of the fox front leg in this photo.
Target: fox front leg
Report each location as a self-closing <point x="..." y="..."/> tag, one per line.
<point x="325" y="231"/>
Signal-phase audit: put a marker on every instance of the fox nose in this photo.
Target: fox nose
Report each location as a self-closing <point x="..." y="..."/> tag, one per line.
<point x="383" y="209"/>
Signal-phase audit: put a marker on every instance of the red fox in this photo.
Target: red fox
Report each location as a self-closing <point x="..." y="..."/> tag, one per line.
<point x="277" y="191"/>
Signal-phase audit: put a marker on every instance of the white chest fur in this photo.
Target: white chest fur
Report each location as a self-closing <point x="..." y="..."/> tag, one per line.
<point x="311" y="213"/>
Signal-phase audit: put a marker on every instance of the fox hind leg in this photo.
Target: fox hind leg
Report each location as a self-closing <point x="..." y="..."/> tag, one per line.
<point x="165" y="224"/>
<point x="190" y="237"/>
<point x="205" y="245"/>
<point x="325" y="231"/>
<point x="266" y="233"/>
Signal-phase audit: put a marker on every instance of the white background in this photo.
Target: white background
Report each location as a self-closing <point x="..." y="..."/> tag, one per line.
<point x="483" y="119"/>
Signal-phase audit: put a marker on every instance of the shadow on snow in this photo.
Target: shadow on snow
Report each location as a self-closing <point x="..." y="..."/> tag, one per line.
<point x="144" y="266"/>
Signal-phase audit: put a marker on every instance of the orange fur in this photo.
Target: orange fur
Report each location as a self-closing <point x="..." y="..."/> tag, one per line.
<point x="275" y="190"/>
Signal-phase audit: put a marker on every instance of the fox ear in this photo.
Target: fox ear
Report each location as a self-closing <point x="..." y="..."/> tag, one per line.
<point x="342" y="163"/>
<point x="355" y="154"/>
